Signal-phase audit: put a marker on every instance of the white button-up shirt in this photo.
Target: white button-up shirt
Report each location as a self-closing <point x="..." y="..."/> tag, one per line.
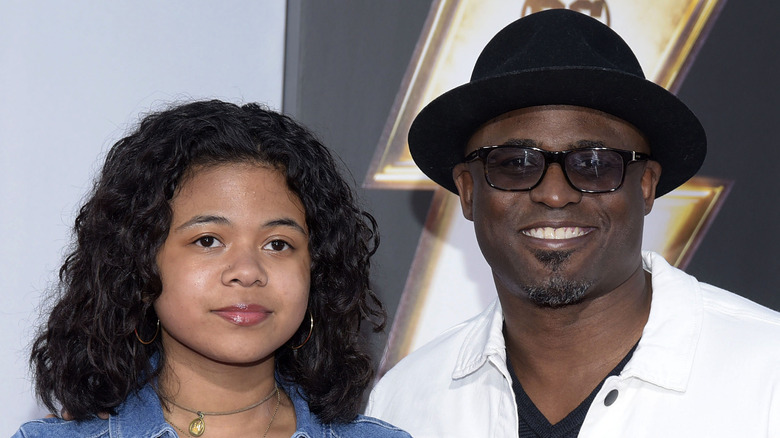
<point x="707" y="365"/>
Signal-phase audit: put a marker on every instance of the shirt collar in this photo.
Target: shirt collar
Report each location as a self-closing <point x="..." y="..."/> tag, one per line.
<point x="664" y="356"/>
<point x="484" y="341"/>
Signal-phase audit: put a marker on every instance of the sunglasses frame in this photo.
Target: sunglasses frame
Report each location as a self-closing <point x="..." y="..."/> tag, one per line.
<point x="558" y="157"/>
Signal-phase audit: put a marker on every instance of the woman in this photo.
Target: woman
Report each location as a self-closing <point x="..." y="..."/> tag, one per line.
<point x="216" y="287"/>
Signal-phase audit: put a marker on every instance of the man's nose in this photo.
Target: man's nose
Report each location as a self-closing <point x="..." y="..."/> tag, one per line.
<point x="554" y="190"/>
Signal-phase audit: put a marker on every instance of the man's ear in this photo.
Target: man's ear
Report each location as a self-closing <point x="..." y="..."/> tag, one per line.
<point x="464" y="181"/>
<point x="649" y="182"/>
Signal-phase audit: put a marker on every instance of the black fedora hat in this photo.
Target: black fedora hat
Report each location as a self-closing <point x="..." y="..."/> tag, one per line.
<point x="558" y="57"/>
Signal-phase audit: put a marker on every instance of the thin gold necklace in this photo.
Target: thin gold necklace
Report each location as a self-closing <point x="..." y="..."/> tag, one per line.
<point x="198" y="425"/>
<point x="276" y="409"/>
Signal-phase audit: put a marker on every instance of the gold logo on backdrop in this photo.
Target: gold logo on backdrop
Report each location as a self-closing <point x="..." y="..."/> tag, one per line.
<point x="595" y="8"/>
<point x="662" y="33"/>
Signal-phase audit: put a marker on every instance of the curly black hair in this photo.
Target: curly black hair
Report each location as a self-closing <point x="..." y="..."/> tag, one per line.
<point x="87" y="357"/>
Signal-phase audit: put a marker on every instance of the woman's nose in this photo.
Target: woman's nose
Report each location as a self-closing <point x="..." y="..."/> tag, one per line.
<point x="245" y="268"/>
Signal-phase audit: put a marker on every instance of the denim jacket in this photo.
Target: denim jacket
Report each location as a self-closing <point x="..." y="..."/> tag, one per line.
<point x="141" y="416"/>
<point x="309" y="426"/>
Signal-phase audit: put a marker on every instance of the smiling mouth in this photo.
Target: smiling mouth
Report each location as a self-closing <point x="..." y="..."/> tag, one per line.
<point x="551" y="233"/>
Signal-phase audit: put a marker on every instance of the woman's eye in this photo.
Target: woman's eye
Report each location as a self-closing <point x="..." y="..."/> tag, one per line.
<point x="207" y="241"/>
<point x="277" y="245"/>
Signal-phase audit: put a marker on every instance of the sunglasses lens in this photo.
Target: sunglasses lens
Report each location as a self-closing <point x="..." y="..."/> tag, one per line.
<point x="594" y="170"/>
<point x="514" y="168"/>
<point x="588" y="170"/>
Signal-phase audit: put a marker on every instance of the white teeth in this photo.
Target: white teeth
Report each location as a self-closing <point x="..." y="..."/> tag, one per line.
<point x="555" y="233"/>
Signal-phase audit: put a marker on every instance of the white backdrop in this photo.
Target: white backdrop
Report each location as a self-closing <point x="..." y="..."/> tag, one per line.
<point x="73" y="78"/>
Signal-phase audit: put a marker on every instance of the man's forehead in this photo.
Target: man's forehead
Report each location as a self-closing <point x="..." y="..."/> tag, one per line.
<point x="558" y="124"/>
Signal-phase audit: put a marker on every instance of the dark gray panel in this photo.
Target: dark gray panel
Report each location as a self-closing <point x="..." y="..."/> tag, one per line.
<point x="345" y="68"/>
<point x="732" y="86"/>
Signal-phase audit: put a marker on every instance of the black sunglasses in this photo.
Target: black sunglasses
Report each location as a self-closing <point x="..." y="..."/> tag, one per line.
<point x="588" y="170"/>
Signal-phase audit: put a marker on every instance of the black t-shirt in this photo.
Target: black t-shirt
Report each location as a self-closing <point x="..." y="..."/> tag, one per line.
<point x="533" y="423"/>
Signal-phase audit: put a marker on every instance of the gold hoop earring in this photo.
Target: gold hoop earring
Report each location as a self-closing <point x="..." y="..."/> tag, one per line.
<point x="157" y="332"/>
<point x="311" y="330"/>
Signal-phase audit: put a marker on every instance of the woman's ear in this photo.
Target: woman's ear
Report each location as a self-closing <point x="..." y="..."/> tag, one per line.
<point x="464" y="181"/>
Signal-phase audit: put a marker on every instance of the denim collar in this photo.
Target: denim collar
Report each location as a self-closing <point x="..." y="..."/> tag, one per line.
<point x="140" y="415"/>
<point x="307" y="424"/>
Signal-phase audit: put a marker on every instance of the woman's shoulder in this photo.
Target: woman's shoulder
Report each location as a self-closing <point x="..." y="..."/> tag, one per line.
<point x="55" y="427"/>
<point x="140" y="415"/>
<point x="310" y="426"/>
<point x="363" y="426"/>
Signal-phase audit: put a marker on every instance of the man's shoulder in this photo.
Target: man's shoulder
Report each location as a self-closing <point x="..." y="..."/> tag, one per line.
<point x="424" y="369"/>
<point x="440" y="354"/>
<point x="438" y="377"/>
<point x="723" y="310"/>
<point x="721" y="302"/>
<point x="739" y="318"/>
<point x="423" y="378"/>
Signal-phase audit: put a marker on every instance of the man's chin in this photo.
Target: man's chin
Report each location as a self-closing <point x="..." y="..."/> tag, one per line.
<point x="557" y="292"/>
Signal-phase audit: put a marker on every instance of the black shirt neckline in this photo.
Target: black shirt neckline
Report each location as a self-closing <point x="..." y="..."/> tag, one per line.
<point x="533" y="424"/>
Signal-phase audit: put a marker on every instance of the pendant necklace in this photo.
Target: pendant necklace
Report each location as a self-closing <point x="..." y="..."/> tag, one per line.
<point x="198" y="425"/>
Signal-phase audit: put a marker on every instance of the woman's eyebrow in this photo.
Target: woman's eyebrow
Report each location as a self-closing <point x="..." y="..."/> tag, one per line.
<point x="286" y="222"/>
<point x="221" y="220"/>
<point x="203" y="219"/>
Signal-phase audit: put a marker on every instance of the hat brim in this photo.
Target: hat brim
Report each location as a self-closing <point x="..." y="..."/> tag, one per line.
<point x="439" y="133"/>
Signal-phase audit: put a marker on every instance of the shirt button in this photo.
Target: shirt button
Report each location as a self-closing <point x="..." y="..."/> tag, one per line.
<point x="611" y="397"/>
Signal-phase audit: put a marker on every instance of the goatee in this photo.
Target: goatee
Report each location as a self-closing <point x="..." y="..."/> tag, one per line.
<point x="556" y="291"/>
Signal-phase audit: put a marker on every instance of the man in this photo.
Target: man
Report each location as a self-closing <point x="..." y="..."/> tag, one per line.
<point x="558" y="147"/>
